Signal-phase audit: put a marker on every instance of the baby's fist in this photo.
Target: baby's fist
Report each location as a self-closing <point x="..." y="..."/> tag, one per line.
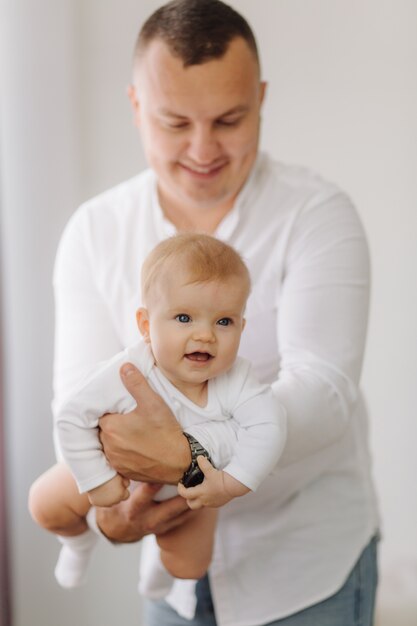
<point x="113" y="491"/>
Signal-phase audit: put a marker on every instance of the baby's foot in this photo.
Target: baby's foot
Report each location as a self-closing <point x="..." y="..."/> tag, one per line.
<point x="70" y="570"/>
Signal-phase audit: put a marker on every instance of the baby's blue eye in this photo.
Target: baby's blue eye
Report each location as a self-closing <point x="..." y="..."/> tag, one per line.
<point x="183" y="318"/>
<point x="225" y="321"/>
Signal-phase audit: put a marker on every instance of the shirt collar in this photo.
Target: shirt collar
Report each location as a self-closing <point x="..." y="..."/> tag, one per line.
<point x="228" y="224"/>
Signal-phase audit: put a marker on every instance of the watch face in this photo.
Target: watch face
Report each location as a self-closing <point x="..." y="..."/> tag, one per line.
<point x="194" y="476"/>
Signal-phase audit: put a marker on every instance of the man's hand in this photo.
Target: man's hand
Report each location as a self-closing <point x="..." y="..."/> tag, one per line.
<point x="138" y="516"/>
<point x="217" y="488"/>
<point x="146" y="444"/>
<point x="111" y="492"/>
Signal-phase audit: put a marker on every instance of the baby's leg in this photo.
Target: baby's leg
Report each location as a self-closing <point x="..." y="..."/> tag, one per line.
<point x="186" y="551"/>
<point x="56" y="505"/>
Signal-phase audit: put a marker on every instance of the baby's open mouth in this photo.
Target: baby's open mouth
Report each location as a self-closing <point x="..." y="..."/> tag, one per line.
<point x="198" y="356"/>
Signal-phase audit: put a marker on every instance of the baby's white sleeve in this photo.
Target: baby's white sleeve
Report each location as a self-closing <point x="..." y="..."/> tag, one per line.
<point x="218" y="438"/>
<point x="261" y="427"/>
<point x="77" y="419"/>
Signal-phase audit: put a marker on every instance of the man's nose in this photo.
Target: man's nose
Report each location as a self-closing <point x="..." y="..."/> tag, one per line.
<point x="203" y="146"/>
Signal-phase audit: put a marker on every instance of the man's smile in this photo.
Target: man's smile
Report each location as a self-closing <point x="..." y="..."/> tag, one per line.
<point x="203" y="172"/>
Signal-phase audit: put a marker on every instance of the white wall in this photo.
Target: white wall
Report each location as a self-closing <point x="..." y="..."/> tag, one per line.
<point x="43" y="175"/>
<point x="342" y="98"/>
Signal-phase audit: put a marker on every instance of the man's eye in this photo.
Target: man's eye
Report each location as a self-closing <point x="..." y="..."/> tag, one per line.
<point x="225" y="321"/>
<point x="228" y="122"/>
<point x="183" y="318"/>
<point x="178" y="125"/>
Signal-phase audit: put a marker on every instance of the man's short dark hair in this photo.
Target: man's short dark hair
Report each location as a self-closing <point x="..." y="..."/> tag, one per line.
<point x="195" y="31"/>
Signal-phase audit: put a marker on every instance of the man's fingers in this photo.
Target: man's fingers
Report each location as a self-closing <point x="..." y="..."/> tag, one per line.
<point x="170" y="508"/>
<point x="164" y="515"/>
<point x="143" y="494"/>
<point x="172" y="523"/>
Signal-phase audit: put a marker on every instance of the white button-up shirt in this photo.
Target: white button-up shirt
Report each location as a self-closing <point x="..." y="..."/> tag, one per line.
<point x="294" y="541"/>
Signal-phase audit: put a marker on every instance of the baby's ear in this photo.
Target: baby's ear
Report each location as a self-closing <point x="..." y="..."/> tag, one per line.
<point x="142" y="319"/>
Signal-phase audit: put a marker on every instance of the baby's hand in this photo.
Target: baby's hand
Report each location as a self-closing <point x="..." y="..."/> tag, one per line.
<point x="217" y="488"/>
<point x="113" y="491"/>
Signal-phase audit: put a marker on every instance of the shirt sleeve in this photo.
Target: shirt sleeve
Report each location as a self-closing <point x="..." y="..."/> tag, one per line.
<point x="261" y="422"/>
<point x="84" y="330"/>
<point x="322" y="323"/>
<point x="321" y="327"/>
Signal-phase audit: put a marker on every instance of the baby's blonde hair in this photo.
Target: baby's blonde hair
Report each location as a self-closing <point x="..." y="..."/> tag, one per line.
<point x="203" y="257"/>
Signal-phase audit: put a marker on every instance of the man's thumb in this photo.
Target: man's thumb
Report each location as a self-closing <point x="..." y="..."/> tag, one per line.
<point x="132" y="379"/>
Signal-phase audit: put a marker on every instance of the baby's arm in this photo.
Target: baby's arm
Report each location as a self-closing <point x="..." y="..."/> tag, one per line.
<point x="259" y="423"/>
<point x="261" y="432"/>
<point x="77" y="421"/>
<point x="217" y="488"/>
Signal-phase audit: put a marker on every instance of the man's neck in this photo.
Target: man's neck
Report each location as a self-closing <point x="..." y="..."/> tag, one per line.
<point x="192" y="219"/>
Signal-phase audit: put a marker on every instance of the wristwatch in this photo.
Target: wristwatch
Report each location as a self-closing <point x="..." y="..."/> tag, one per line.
<point x="193" y="475"/>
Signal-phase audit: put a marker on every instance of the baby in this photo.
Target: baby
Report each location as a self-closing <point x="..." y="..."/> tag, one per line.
<point x="194" y="291"/>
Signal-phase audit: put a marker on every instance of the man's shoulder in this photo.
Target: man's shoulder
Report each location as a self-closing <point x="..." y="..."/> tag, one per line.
<point x="295" y="192"/>
<point x="108" y="216"/>
<point x="295" y="179"/>
<point x="123" y="196"/>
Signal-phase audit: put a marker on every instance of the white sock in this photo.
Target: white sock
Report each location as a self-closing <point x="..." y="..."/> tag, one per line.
<point x="154" y="580"/>
<point x="70" y="570"/>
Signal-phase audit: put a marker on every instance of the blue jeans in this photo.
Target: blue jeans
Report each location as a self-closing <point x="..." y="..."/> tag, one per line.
<point x="352" y="605"/>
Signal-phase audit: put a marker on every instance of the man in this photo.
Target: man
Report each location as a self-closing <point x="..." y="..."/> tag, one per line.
<point x="301" y="550"/>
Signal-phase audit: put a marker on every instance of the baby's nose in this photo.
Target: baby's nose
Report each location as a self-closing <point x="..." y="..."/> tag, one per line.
<point x="204" y="333"/>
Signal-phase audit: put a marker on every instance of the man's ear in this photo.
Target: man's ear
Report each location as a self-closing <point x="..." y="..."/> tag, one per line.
<point x="262" y="91"/>
<point x="142" y="319"/>
<point x="134" y="101"/>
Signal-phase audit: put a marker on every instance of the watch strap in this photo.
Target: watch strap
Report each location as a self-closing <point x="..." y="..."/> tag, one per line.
<point x="193" y="475"/>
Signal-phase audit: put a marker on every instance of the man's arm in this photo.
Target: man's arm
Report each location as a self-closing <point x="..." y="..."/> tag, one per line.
<point x="321" y="327"/>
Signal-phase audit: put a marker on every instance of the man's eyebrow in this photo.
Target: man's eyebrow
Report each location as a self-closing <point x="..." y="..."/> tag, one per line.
<point x="240" y="108"/>
<point x="237" y="110"/>
<point x="168" y="113"/>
